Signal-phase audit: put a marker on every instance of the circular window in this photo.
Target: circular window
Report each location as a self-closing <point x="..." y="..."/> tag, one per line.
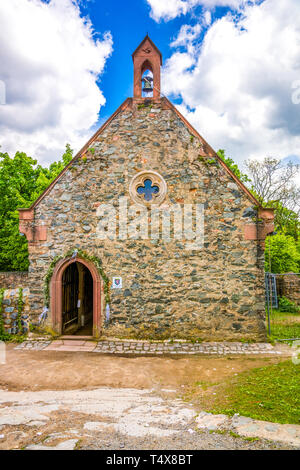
<point x="147" y="188"/>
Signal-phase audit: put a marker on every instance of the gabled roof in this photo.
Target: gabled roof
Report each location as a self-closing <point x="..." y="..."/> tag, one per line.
<point x="79" y="154"/>
<point x="152" y="44"/>
<point x="209" y="152"/>
<point x="213" y="154"/>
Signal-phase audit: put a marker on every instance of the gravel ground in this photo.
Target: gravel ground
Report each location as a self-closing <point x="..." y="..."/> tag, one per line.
<point x="203" y="440"/>
<point x="63" y="400"/>
<point x="106" y="418"/>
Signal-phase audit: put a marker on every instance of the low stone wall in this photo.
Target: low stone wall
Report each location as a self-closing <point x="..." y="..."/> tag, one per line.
<point x="14" y="310"/>
<point x="289" y="287"/>
<point x="13" y="279"/>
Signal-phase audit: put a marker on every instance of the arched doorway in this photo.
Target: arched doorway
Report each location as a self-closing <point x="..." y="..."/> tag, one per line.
<point x="76" y="298"/>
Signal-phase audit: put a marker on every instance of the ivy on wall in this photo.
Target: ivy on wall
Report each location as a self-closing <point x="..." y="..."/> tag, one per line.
<point x="3" y="334"/>
<point x="20" y="310"/>
<point x="85" y="256"/>
<point x="1" y="311"/>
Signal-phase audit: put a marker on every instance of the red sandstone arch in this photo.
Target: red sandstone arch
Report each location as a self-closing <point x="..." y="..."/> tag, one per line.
<point x="146" y="55"/>
<point x="56" y="294"/>
<point x="146" y="66"/>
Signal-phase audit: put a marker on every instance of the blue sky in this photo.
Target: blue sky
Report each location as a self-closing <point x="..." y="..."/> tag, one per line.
<point x="129" y="22"/>
<point x="232" y="68"/>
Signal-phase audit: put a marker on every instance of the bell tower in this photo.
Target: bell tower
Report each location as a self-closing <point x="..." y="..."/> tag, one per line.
<point x="147" y="61"/>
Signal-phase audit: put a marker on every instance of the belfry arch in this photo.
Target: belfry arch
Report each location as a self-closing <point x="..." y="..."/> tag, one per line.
<point x="147" y="80"/>
<point x="146" y="57"/>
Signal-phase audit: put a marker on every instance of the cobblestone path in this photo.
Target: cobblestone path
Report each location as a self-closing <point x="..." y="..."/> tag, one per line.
<point x="133" y="347"/>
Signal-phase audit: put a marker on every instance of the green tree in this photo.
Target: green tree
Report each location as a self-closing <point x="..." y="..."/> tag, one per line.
<point x="272" y="183"/>
<point x="273" y="180"/>
<point x="233" y="166"/>
<point x="56" y="167"/>
<point x="21" y="183"/>
<point x="286" y="221"/>
<point x="284" y="254"/>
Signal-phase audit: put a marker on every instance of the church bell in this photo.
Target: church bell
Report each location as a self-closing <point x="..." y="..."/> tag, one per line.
<point x="147" y="84"/>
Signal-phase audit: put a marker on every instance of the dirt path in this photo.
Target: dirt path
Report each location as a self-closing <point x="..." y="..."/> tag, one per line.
<point x="52" y="370"/>
<point x="63" y="400"/>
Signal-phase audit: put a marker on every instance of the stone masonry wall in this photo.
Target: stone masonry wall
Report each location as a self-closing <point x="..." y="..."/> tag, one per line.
<point x="290" y="287"/>
<point x="215" y="293"/>
<point x="13" y="280"/>
<point x="9" y="311"/>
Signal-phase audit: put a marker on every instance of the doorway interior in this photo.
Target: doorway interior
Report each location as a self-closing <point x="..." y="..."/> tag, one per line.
<point x="77" y="300"/>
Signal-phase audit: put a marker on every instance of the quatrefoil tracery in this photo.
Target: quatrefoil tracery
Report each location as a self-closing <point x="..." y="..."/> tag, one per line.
<point x="147" y="188"/>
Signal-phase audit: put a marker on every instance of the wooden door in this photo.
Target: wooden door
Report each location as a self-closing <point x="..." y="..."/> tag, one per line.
<point x="70" y="289"/>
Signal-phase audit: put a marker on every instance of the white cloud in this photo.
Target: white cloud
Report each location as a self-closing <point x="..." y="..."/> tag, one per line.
<point x="167" y="10"/>
<point x="50" y="62"/>
<point x="170" y="9"/>
<point x="236" y="88"/>
<point x="207" y="17"/>
<point x="187" y="34"/>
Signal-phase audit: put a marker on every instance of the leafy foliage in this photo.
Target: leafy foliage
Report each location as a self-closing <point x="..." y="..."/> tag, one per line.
<point x="233" y="166"/>
<point x="286" y="305"/>
<point x="7" y="337"/>
<point x="286" y="221"/>
<point x="285" y="256"/>
<point x="20" y="310"/>
<point x="84" y="255"/>
<point x="21" y="183"/>
<point x="1" y="312"/>
<point x="272" y="183"/>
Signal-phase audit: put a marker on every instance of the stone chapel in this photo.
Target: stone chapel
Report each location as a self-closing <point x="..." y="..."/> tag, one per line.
<point x="147" y="233"/>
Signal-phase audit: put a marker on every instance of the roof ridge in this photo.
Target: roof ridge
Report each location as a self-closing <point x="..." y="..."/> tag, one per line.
<point x="78" y="154"/>
<point x="123" y="106"/>
<point x="213" y="152"/>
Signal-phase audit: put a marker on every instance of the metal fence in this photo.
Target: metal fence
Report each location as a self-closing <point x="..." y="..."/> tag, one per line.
<point x="271" y="290"/>
<point x="283" y="305"/>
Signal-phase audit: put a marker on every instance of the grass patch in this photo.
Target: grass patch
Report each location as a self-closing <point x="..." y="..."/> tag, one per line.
<point x="219" y="431"/>
<point x="290" y="331"/>
<point x="269" y="393"/>
<point x="285" y="325"/>
<point x="234" y="434"/>
<point x="205" y="385"/>
<point x="12" y="338"/>
<point x="237" y="436"/>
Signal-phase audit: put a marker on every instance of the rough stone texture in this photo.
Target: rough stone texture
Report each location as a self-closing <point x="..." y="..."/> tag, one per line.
<point x="10" y="311"/>
<point x="215" y="293"/>
<point x="13" y="280"/>
<point x="33" y="345"/>
<point x="289" y="286"/>
<point x="251" y="428"/>
<point x="145" y="348"/>
<point x="126" y="419"/>
<point x="69" y="444"/>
